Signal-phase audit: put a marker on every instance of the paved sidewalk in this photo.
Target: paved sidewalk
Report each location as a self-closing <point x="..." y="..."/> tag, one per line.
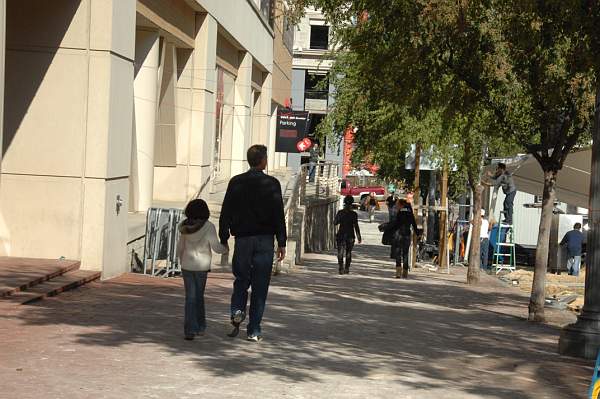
<point x="364" y="335"/>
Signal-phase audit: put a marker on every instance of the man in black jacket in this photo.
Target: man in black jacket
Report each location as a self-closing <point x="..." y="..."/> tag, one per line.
<point x="403" y="222"/>
<point x="252" y="211"/>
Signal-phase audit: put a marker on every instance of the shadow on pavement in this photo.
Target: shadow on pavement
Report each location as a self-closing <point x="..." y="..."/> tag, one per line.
<point x="426" y="333"/>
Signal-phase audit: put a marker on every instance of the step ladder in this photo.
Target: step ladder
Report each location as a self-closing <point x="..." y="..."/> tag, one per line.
<point x="500" y="254"/>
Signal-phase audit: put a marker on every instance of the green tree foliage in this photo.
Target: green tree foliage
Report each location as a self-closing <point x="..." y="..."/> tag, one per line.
<point x="518" y="70"/>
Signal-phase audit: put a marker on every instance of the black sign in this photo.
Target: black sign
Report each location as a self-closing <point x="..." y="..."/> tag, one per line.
<point x="291" y="131"/>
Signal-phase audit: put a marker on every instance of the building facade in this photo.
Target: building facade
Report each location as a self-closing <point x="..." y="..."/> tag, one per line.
<point x="113" y="105"/>
<point x="310" y="88"/>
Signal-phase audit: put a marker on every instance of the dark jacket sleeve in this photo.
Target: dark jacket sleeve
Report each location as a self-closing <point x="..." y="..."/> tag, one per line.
<point x="225" y="218"/>
<point x="356" y="227"/>
<point x="280" y="228"/>
<point x="338" y="218"/>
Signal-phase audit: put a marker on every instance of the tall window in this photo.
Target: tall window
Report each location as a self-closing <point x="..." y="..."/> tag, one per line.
<point x="316" y="86"/>
<point x="266" y="8"/>
<point x="319" y="37"/>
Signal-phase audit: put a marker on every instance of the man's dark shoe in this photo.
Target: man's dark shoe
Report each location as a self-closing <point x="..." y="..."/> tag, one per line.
<point x="405" y="273"/>
<point x="341" y="271"/>
<point x="346" y="271"/>
<point x="234" y="333"/>
<point x="189" y="337"/>
<point x="236" y="319"/>
<point x="254" y="338"/>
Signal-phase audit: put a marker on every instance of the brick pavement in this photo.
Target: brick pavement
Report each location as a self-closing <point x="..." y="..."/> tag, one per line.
<point x="364" y="335"/>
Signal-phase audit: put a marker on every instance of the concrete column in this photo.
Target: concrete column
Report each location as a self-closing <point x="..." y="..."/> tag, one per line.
<point x="203" y="102"/>
<point x="267" y="135"/>
<point x="75" y="97"/>
<point x="582" y="338"/>
<point x="242" y="126"/>
<point x="145" y="90"/>
<point x="274" y="157"/>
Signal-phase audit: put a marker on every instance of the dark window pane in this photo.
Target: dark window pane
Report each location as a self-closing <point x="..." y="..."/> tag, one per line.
<point x="319" y="37"/>
<point x="316" y="86"/>
<point x="266" y="8"/>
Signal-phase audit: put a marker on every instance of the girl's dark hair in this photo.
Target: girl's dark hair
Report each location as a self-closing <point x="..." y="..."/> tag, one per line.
<point x="197" y="209"/>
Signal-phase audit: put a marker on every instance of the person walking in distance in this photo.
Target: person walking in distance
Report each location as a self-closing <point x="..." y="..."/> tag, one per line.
<point x="401" y="227"/>
<point x="347" y="233"/>
<point x="372" y="206"/>
<point x="253" y="213"/>
<point x="573" y="240"/>
<point x="503" y="178"/>
<point x="313" y="161"/>
<point x="194" y="249"/>
<point x="484" y="239"/>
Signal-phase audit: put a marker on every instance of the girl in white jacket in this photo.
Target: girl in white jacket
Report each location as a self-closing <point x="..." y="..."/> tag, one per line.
<point x="197" y="240"/>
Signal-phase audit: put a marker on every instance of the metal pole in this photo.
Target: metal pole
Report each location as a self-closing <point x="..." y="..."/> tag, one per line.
<point x="457" y="235"/>
<point x="582" y="338"/>
<point x="443" y="247"/>
<point x="416" y="203"/>
<point x="146" y="241"/>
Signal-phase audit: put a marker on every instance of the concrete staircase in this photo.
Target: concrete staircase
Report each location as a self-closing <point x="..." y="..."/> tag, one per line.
<point x="27" y="280"/>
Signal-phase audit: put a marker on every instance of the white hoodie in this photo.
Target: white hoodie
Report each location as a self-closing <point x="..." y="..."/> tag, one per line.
<point x="195" y="245"/>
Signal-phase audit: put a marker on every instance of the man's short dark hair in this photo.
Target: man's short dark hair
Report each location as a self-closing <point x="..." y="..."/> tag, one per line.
<point x="502" y="166"/>
<point x="256" y="154"/>
<point x="577" y="226"/>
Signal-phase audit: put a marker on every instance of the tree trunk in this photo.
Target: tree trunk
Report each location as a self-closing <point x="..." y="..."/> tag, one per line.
<point x="474" y="252"/>
<point x="538" y="291"/>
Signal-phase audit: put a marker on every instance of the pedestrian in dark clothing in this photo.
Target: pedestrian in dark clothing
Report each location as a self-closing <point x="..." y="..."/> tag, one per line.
<point x="391" y="203"/>
<point x="402" y="224"/>
<point x="313" y="161"/>
<point x="503" y="178"/>
<point x="574" y="242"/>
<point x="347" y="233"/>
<point x="253" y="212"/>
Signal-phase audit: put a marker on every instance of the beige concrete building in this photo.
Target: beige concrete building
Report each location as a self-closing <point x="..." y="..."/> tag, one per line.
<point x="113" y="105"/>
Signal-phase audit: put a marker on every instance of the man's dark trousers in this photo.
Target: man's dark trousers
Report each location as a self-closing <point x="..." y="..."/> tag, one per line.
<point x="509" y="202"/>
<point x="484" y="251"/>
<point x="252" y="266"/>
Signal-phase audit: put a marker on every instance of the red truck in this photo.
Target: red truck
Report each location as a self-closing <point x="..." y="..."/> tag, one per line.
<point x="361" y="186"/>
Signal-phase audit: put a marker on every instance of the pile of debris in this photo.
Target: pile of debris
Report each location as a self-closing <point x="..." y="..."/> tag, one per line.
<point x="562" y="291"/>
